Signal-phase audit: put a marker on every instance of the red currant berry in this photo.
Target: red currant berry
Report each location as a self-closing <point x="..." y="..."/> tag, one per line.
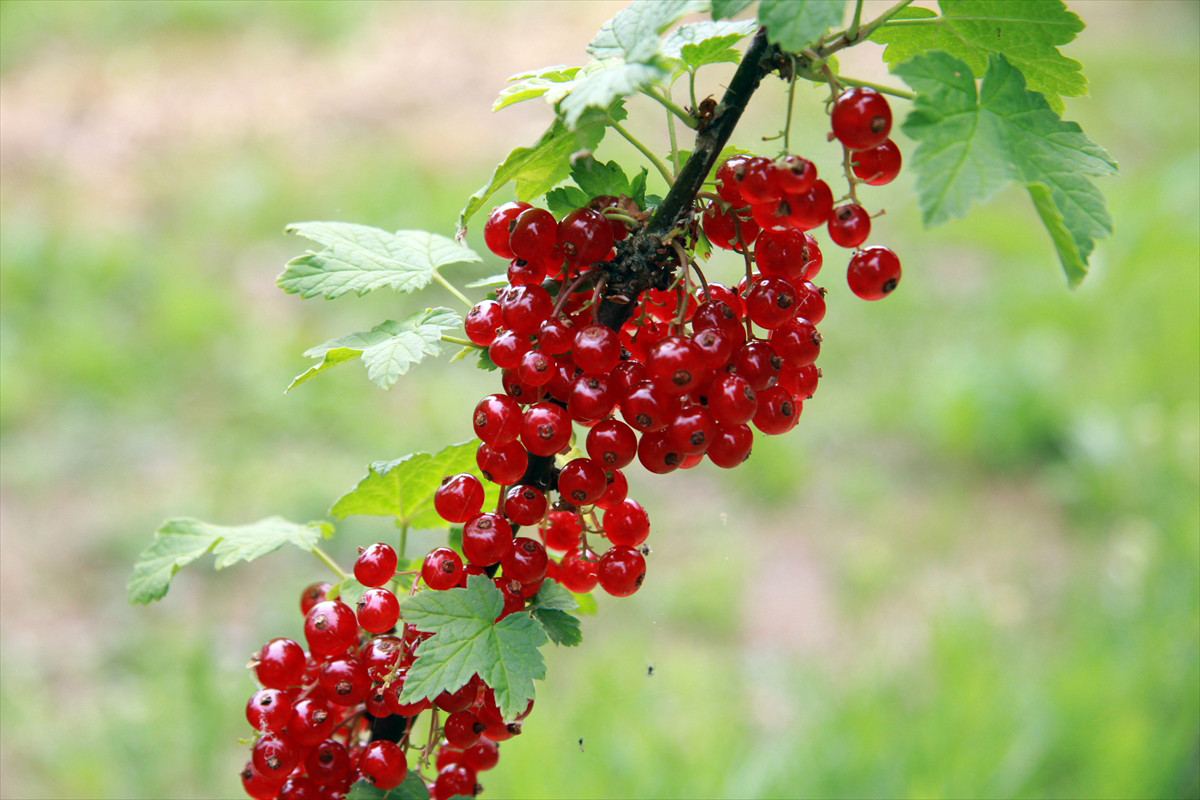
<point x="861" y="118"/>
<point x="879" y="165"/>
<point x="596" y="349"/>
<point x="815" y="259"/>
<point x="646" y="407"/>
<point x="526" y="561"/>
<point x="561" y="531"/>
<point x="675" y="365"/>
<point x="798" y="343"/>
<point x="486" y="539"/>
<point x="586" y="237"/>
<point x="498" y="228"/>
<point x="626" y="523"/>
<point x="731" y="446"/>
<point x="259" y="786"/>
<point x="534" y="234"/>
<point x="507" y="348"/>
<point x="873" y="272"/>
<point x="579" y="571"/>
<point x="782" y="253"/>
<point x="497" y="419"/>
<point x="459" y="699"/>
<point x="375" y="565"/>
<point x="545" y="429"/>
<point x="812" y="208"/>
<point x="760" y="181"/>
<point x="442" y="569"/>
<point x="732" y="400"/>
<point x="483" y="756"/>
<point x="503" y="464"/>
<point x="312" y="721"/>
<point x="312" y="594"/>
<point x="759" y="364"/>
<point x="582" y="481"/>
<point x="525" y="273"/>
<point x="556" y="335"/>
<point x="463" y="729"/>
<point x="656" y="453"/>
<point x="391" y="694"/>
<point x="729" y="180"/>
<point x="454" y="780"/>
<point x="344" y="681"/>
<point x="795" y="175"/>
<point x="268" y="710"/>
<point x="328" y="762"/>
<point x="275" y="755"/>
<point x="378" y="611"/>
<point x="330" y="628"/>
<point x="800" y="382"/>
<point x="770" y="301"/>
<point x="621" y="570"/>
<point x="525" y="308"/>
<point x="849" y="225"/>
<point x="383" y="764"/>
<point x="279" y="664"/>
<point x="458" y="498"/>
<point x="778" y="412"/>
<point x="616" y="490"/>
<point x="524" y="505"/>
<point x="591" y="396"/>
<point x="691" y="430"/>
<point x="810" y="302"/>
<point x="381" y="655"/>
<point x="727" y="230"/>
<point x="484" y="321"/>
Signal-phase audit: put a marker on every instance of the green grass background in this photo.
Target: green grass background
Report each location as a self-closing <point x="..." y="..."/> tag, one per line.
<point x="972" y="571"/>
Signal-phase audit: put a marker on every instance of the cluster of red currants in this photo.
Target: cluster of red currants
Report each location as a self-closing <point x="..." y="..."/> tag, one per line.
<point x="763" y="202"/>
<point x="319" y="714"/>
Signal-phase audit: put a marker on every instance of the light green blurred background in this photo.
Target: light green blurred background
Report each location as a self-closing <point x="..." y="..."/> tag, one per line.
<point x="972" y="570"/>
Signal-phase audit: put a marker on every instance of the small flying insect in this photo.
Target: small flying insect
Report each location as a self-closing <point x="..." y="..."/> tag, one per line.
<point x="581" y="744"/>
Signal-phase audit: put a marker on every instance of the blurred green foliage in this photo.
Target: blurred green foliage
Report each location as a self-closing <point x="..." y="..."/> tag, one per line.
<point x="973" y="570"/>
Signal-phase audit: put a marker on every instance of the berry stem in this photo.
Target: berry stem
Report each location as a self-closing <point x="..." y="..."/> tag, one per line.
<point x="653" y="159"/>
<point x="853" y="31"/>
<point x="329" y="562"/>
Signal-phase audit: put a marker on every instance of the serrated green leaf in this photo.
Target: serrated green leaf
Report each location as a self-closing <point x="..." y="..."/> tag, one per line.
<point x="527" y="85"/>
<point x="701" y="43"/>
<point x="179" y="542"/>
<point x="602" y="82"/>
<point x="536" y="169"/>
<point x="595" y="179"/>
<point x="359" y="258"/>
<point x="349" y="591"/>
<point x="562" y="628"/>
<point x="633" y="34"/>
<point x="1027" y="33"/>
<point x="565" y="199"/>
<point x="389" y="349"/>
<point x="485" y="360"/>
<point x="587" y="603"/>
<point x="404" y="488"/>
<point x="796" y="24"/>
<point x="490" y="282"/>
<point x="468" y="641"/>
<point x="553" y="595"/>
<point x="411" y="788"/>
<point x="1074" y="263"/>
<point x="723" y="9"/>
<point x="973" y="144"/>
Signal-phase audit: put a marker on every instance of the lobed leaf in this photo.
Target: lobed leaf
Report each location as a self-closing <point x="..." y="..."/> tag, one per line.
<point x="179" y="542"/>
<point x="550" y="606"/>
<point x="359" y="258"/>
<point x="388" y="350"/>
<point x="467" y="640"/>
<point x="796" y="24"/>
<point x="411" y="788"/>
<point x="602" y="82"/>
<point x="701" y="43"/>
<point x="528" y="85"/>
<point x="404" y="488"/>
<point x="723" y="9"/>
<point x="975" y="143"/>
<point x="1027" y="34"/>
<point x="633" y="34"/>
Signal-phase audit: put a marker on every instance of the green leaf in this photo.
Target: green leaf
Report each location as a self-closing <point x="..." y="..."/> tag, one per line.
<point x="796" y="24"/>
<point x="633" y="34"/>
<point x="468" y="641"/>
<point x="1028" y="34"/>
<point x="527" y="85"/>
<point x="179" y="542"/>
<point x="404" y="488"/>
<point x="602" y="82"/>
<point x="490" y="282"/>
<point x="552" y="595"/>
<point x="565" y="199"/>
<point x="411" y="788"/>
<point x="701" y="43"/>
<point x="536" y="169"/>
<point x="388" y="350"/>
<point x="359" y="258"/>
<point x="973" y="144"/>
<point x="723" y="9"/>
<point x="349" y="591"/>
<point x="587" y="603"/>
<point x="550" y="606"/>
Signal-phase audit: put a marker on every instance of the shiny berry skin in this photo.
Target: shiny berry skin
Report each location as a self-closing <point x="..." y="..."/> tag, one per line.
<point x="274" y="755"/>
<point x="514" y="600"/>
<point x="759" y="364"/>
<point x="459" y="699"/>
<point x="378" y="611"/>
<point x="556" y="335"/>
<point x="728" y="230"/>
<point x="675" y="365"/>
<point x="878" y="166"/>
<point x="621" y="570"/>
<point x="498" y="228"/>
<point x="279" y="664"/>
<point x="656" y="454"/>
<point x="616" y="490"/>
<point x="582" y="481"/>
<point x="328" y="762"/>
<point x="497" y="419"/>
<point x="503" y="464"/>
<point x="534" y="234"/>
<point x="257" y="786"/>
<point x="795" y="175"/>
<point x="525" y="273"/>
<point x="760" y="181"/>
<point x="484" y="321"/>
<point x="545" y="429"/>
<point x="811" y="209"/>
<point x="268" y="710"/>
<point x="442" y="569"/>
<point x="770" y="301"/>
<point x="526" y="561"/>
<point x="561" y="530"/>
<point x="507" y="348"/>
<point x="596" y="349"/>
<point x="578" y="572"/>
<point x="383" y="764"/>
<point x="524" y="505"/>
<point x="536" y="369"/>
<point x="691" y="430"/>
<point x="486" y="539"/>
<point x="375" y="565"/>
<point x="626" y="523"/>
<point x="483" y="756"/>
<point x="800" y="382"/>
<point x="455" y="779"/>
<point x="381" y="655"/>
<point x="810" y="302"/>
<point x="391" y="695"/>
<point x="330" y="628"/>
<point x="344" y="681"/>
<point x="458" y="498"/>
<point x="463" y="729"/>
<point x="591" y="396"/>
<point x="782" y="253"/>
<point x="312" y="721"/>
<point x="778" y="412"/>
<point x="525" y="308"/>
<point x="873" y="272"/>
<point x="518" y="389"/>
<point x="312" y="594"/>
<point x="849" y="225"/>
<point x="611" y="443"/>
<point x="586" y="236"/>
<point x="729" y="180"/>
<point x="861" y="118"/>
<point x="815" y="259"/>
<point x="646" y="407"/>
<point x="731" y="446"/>
<point x="732" y="400"/>
<point x="798" y="343"/>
